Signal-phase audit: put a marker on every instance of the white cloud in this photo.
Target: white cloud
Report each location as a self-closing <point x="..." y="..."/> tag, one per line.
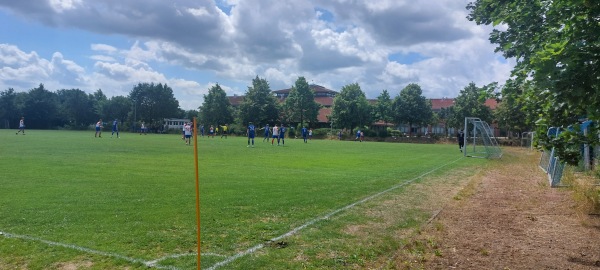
<point x="190" y="43"/>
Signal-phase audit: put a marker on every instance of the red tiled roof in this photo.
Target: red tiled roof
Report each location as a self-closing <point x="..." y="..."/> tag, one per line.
<point x="439" y="103"/>
<point x="492" y="103"/>
<point x="235" y="100"/>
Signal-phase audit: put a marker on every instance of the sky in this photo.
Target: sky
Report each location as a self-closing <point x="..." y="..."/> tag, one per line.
<point x="191" y="45"/>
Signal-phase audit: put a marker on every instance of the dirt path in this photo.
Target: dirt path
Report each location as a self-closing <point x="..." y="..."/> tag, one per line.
<point x="510" y="219"/>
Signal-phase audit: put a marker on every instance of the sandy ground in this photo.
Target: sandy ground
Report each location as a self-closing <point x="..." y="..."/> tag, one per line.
<point x="509" y="219"/>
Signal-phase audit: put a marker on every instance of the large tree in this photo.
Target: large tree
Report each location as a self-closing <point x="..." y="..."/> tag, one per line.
<point x="9" y="111"/>
<point x="300" y="105"/>
<point x="382" y="111"/>
<point x="471" y="103"/>
<point x="510" y="112"/>
<point x="351" y="108"/>
<point x="216" y="109"/>
<point x="117" y="107"/>
<point x="259" y="104"/>
<point x="557" y="45"/>
<point x="154" y="102"/>
<point x="412" y="108"/>
<point x="76" y="108"/>
<point x="41" y="109"/>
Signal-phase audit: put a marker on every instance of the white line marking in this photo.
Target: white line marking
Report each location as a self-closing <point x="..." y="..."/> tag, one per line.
<point x="175" y="256"/>
<point x="311" y="222"/>
<point x="87" y="250"/>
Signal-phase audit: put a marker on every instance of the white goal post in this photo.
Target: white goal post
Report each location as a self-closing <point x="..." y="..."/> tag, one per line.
<point x="479" y="140"/>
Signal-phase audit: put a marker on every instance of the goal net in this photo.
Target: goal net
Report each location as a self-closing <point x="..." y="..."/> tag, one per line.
<point x="479" y="140"/>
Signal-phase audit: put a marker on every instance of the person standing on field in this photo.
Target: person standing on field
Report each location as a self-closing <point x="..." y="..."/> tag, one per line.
<point x="211" y="131"/>
<point x="304" y="134"/>
<point x="310" y="134"/>
<point x="21" y="126"/>
<point x="115" y="128"/>
<point x="267" y="131"/>
<point x="188" y="133"/>
<point x="250" y="132"/>
<point x="143" y="129"/>
<point x="224" y="132"/>
<point x="461" y="140"/>
<point x="98" y="129"/>
<point x="275" y="134"/>
<point x="282" y="130"/>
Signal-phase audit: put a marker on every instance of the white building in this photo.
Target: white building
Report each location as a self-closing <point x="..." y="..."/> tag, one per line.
<point x="174" y="123"/>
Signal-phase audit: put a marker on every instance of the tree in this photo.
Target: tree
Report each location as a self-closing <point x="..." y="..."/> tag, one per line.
<point x="259" y="105"/>
<point x="412" y="108"/>
<point x="351" y="108"/>
<point x="190" y="114"/>
<point x="471" y="103"/>
<point x="382" y="111"/>
<point x="216" y="109"/>
<point x="510" y="113"/>
<point x="555" y="44"/>
<point x="300" y="104"/>
<point x="153" y="103"/>
<point x="9" y="111"/>
<point x="41" y="108"/>
<point x="98" y="99"/>
<point x="76" y="108"/>
<point x="117" y="107"/>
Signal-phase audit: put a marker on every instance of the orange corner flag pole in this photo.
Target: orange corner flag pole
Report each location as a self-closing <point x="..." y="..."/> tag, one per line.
<point x="197" y="188"/>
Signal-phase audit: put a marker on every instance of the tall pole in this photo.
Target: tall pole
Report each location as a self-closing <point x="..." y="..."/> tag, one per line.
<point x="197" y="189"/>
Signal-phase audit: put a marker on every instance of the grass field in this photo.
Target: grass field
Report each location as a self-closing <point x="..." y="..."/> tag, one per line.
<point x="72" y="201"/>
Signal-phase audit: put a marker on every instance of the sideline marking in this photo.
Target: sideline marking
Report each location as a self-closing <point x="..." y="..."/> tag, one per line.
<point x="87" y="250"/>
<point x="311" y="222"/>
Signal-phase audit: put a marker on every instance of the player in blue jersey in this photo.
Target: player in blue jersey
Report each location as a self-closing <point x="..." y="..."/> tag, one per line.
<point x="115" y="128"/>
<point x="282" y="130"/>
<point x="304" y="134"/>
<point x="267" y="130"/>
<point x="250" y="132"/>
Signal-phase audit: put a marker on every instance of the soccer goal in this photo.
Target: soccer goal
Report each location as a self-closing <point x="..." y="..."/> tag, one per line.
<point x="479" y="140"/>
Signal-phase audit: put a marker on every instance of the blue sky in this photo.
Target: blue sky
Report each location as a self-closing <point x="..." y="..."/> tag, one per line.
<point x="191" y="45"/>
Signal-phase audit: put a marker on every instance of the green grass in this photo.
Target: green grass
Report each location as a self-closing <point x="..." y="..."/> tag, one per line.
<point x="135" y="197"/>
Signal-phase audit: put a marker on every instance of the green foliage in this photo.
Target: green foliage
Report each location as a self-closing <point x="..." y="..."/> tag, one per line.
<point x="154" y="102"/>
<point x="351" y="108"/>
<point x="259" y="105"/>
<point x="511" y="113"/>
<point x="216" y="109"/>
<point x="9" y="110"/>
<point x="300" y="105"/>
<point x="471" y="103"/>
<point x="382" y="111"/>
<point x="411" y="107"/>
<point x="40" y="108"/>
<point x="556" y="47"/>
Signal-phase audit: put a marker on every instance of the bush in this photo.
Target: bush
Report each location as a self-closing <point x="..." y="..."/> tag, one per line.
<point x="396" y="133"/>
